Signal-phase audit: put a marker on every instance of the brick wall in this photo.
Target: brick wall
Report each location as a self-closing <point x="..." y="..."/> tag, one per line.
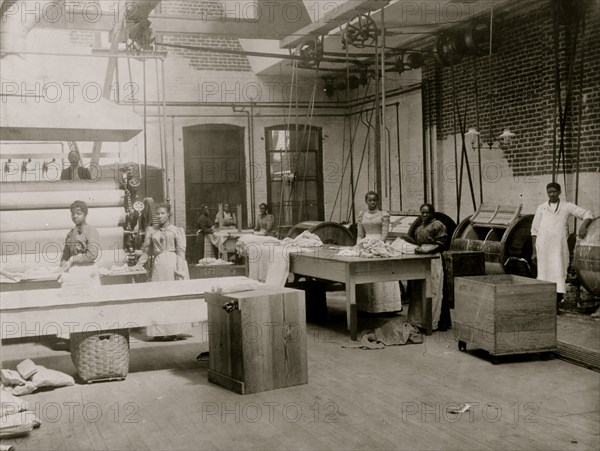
<point x="208" y="60"/>
<point x="523" y="91"/>
<point x="207" y="9"/>
<point x="198" y="7"/>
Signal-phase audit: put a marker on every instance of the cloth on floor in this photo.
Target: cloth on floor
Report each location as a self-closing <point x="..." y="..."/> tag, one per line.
<point x="395" y="332"/>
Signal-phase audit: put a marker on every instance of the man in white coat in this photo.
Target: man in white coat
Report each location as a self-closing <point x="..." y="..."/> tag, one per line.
<point x="549" y="233"/>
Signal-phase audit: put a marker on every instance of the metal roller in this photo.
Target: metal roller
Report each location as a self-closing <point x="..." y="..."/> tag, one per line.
<point x="329" y="232"/>
<point x="507" y="250"/>
<point x="586" y="258"/>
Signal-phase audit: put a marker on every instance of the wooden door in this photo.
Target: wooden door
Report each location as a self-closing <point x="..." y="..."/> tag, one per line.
<point x="214" y="169"/>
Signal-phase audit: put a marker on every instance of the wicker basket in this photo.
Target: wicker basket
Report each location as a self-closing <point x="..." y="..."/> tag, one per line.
<point x="210" y="271"/>
<point x="101" y="355"/>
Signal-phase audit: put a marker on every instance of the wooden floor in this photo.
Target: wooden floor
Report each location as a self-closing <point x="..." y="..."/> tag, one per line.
<point x="396" y="398"/>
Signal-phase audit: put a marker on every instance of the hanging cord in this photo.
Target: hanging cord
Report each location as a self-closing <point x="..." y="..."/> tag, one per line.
<point x="455" y="149"/>
<point x="350" y="159"/>
<point x="476" y="88"/>
<point x="579" y="119"/>
<point x="286" y="145"/>
<point x="369" y="125"/>
<point x="303" y="200"/>
<point x="572" y="55"/>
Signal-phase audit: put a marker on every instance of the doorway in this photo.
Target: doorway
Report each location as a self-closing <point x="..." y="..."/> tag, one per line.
<point x="214" y="169"/>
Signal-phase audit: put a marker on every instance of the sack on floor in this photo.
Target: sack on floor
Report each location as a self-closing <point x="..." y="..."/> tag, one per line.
<point x="51" y="378"/>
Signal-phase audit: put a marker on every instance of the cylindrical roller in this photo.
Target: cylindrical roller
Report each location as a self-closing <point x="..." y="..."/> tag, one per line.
<point x="32" y="220"/>
<point x="63" y="185"/>
<point x="586" y="258"/>
<point x="60" y="199"/>
<point x="329" y="232"/>
<point x="25" y="242"/>
<point x="51" y="259"/>
<point x="506" y="251"/>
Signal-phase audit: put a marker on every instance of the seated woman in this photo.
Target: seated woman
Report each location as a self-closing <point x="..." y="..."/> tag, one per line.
<point x="265" y="223"/>
<point x="166" y="244"/>
<point x="376" y="297"/>
<point x="81" y="250"/>
<point x="224" y="221"/>
<point x="432" y="237"/>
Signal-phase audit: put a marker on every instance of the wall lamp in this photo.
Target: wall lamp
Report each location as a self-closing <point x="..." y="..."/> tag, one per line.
<point x="504" y="140"/>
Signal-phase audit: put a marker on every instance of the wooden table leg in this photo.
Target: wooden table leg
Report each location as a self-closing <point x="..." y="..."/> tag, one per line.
<point x="351" y="318"/>
<point x="423" y="304"/>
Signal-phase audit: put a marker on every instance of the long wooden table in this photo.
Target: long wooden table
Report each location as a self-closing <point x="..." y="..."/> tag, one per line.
<point x="63" y="311"/>
<point x="323" y="263"/>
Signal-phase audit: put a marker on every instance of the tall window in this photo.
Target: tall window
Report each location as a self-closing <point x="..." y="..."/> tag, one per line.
<point x="294" y="165"/>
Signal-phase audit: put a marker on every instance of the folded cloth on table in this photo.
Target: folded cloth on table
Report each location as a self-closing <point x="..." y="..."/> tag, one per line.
<point x="404" y="246"/>
<point x="9" y="277"/>
<point x="209" y="261"/>
<point x="222" y="287"/>
<point x="370" y="248"/>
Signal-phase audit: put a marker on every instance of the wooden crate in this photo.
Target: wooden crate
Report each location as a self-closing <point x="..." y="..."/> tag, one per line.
<point x="261" y="343"/>
<point x="505" y="314"/>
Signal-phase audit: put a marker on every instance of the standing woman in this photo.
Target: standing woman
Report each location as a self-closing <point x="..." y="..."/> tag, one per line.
<point x="432" y="237"/>
<point x="376" y="297"/>
<point x="166" y="244"/>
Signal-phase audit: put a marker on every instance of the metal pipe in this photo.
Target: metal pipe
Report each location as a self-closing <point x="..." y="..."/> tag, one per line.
<point x="168" y="175"/>
<point x="320" y="105"/>
<point x="251" y="154"/>
<point x="424" y="142"/>
<point x="430" y="134"/>
<point x="164" y="114"/>
<point x="397" y="105"/>
<point x="383" y="125"/>
<point x="377" y="149"/>
<point x="96" y="55"/>
<point x="257" y="54"/>
<point x="145" y="132"/>
<point x="160" y="132"/>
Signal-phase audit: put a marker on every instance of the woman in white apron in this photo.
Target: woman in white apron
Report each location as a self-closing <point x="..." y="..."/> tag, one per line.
<point x="166" y="243"/>
<point x="81" y="250"/>
<point x="376" y="297"/>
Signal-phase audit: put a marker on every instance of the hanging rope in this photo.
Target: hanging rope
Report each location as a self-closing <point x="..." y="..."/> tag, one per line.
<point x="303" y="199"/>
<point x="476" y="89"/>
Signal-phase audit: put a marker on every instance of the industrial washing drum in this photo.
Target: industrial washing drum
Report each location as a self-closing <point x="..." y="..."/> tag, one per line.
<point x="404" y="224"/>
<point x="586" y="258"/>
<point x="504" y="236"/>
<point x="329" y="232"/>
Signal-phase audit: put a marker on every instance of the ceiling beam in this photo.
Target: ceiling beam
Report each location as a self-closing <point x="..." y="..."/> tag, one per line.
<point x="338" y="16"/>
